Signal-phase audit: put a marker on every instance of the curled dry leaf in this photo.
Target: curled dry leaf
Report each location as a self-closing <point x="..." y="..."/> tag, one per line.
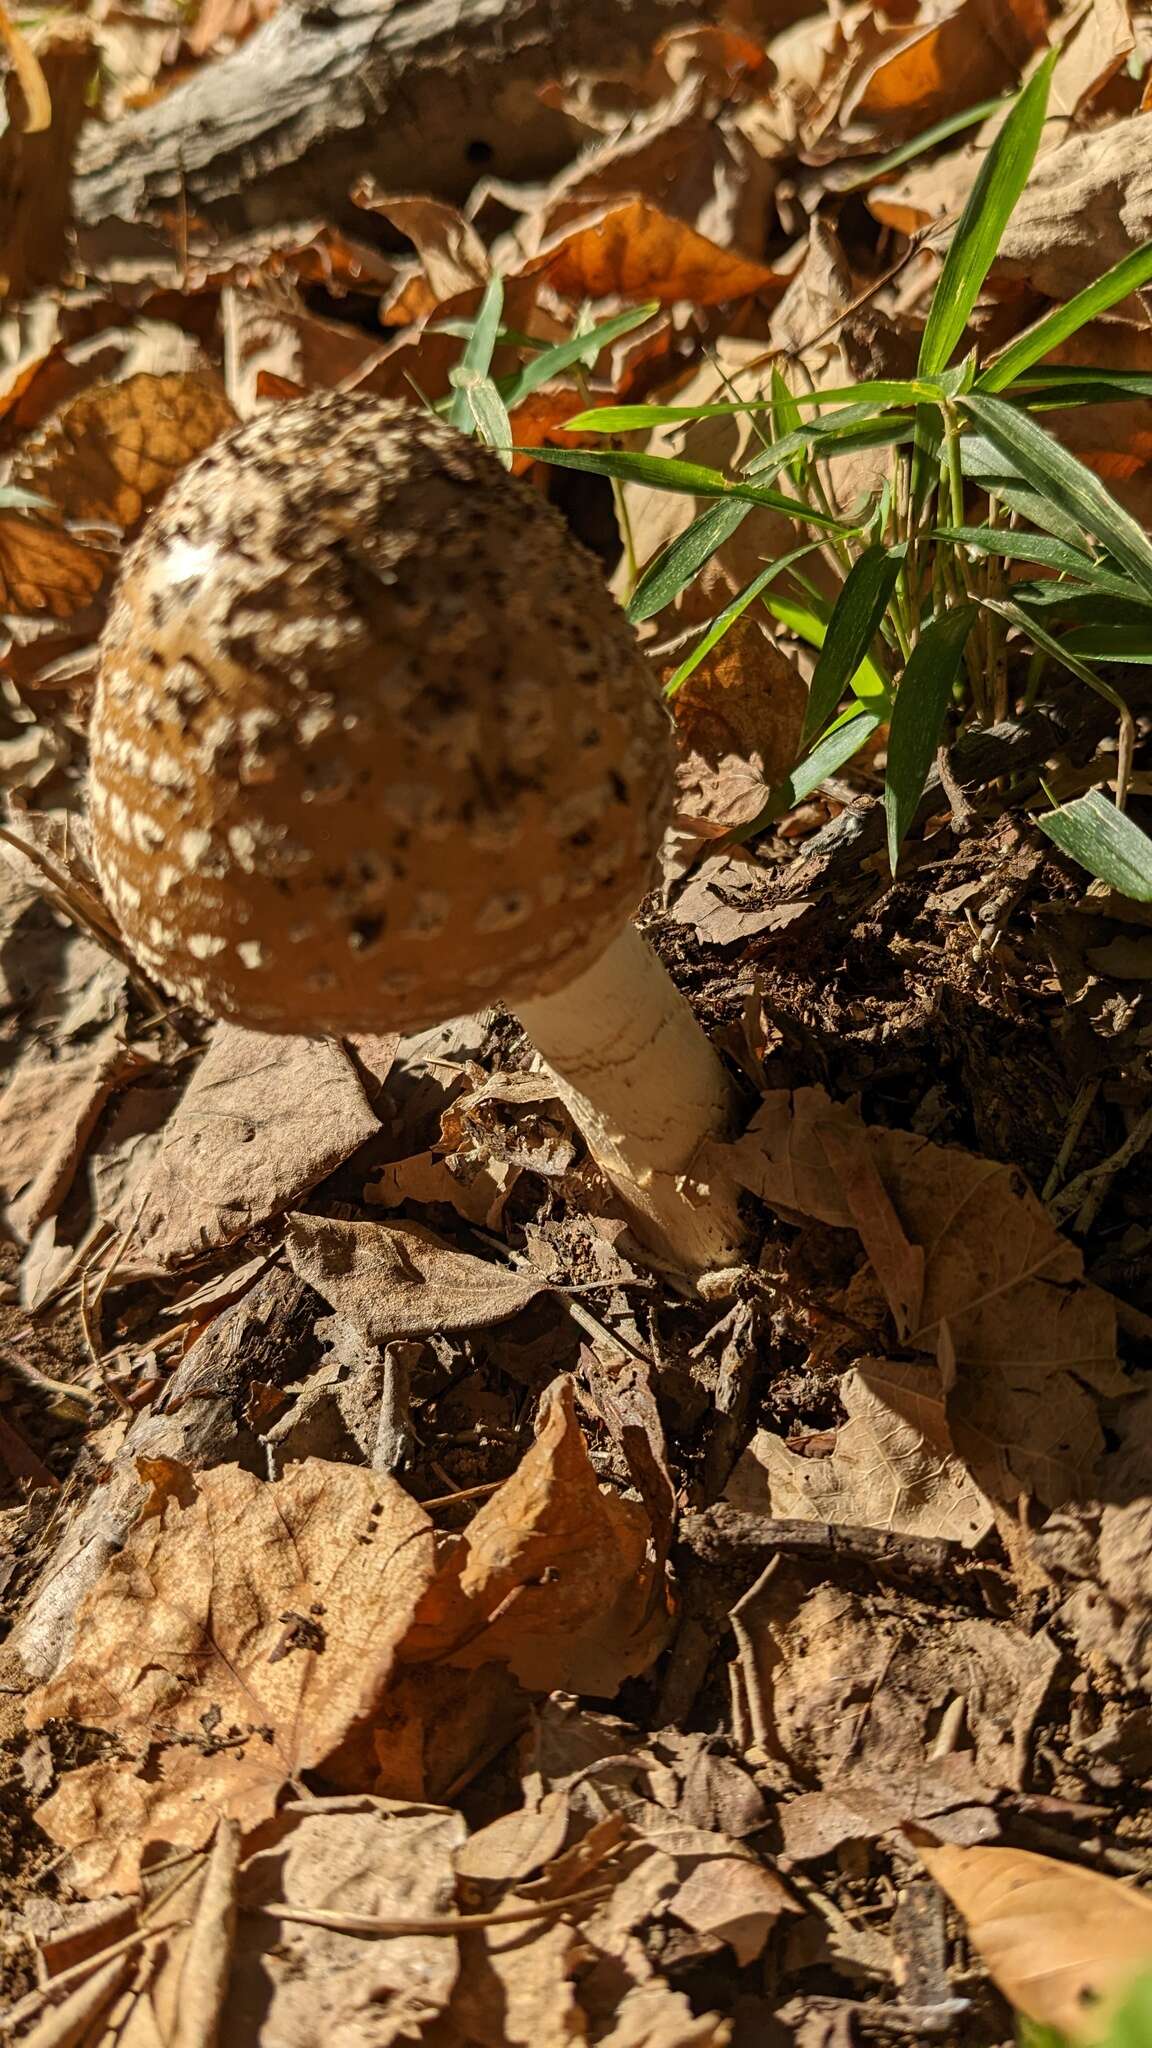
<point x="269" y="1615"/>
<point x="450" y="253"/>
<point x="1063" y="1943"/>
<point x="112" y="453"/>
<point x="554" y="1569"/>
<point x="262" y="1120"/>
<point x="970" y="51"/>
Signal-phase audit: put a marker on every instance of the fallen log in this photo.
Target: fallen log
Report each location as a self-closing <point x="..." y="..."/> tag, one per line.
<point x="423" y="95"/>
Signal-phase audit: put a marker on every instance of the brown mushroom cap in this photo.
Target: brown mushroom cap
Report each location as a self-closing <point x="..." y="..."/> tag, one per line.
<point x="372" y="743"/>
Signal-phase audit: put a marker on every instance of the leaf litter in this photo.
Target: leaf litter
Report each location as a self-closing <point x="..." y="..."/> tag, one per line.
<point x="422" y="1623"/>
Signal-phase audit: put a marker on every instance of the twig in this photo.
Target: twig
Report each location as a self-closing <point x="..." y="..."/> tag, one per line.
<point x="456" y="1924"/>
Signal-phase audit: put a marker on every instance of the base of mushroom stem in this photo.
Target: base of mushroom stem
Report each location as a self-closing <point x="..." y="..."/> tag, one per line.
<point x="647" y="1091"/>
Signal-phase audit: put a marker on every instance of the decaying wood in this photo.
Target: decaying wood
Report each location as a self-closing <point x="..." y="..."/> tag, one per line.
<point x="421" y="94"/>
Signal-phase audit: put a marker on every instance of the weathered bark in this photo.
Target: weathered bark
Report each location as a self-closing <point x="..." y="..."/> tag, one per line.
<point x="422" y="94"/>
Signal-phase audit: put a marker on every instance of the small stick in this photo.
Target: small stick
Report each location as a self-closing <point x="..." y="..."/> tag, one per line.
<point x="460" y="1923"/>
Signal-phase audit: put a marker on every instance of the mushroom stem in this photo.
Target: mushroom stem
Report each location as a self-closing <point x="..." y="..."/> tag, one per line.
<point x="646" y="1089"/>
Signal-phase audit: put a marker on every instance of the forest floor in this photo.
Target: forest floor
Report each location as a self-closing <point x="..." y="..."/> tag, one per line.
<point x="382" y="1539"/>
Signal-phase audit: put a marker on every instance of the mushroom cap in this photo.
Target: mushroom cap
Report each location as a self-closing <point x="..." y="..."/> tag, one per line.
<point x="372" y="743"/>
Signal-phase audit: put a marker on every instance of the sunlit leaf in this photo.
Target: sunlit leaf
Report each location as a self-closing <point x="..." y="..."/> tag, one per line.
<point x="1064" y="481"/>
<point x="1133" y="271"/>
<point x="972" y="251"/>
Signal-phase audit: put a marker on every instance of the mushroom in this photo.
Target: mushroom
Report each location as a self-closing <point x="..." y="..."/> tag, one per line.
<point x="372" y="745"/>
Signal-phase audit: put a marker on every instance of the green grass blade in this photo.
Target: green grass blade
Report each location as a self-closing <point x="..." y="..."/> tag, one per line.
<point x="1105" y="841"/>
<point x="1064" y="481"/>
<point x="551" y="362"/>
<point x="488" y="414"/>
<point x="1088" y="385"/>
<point x="940" y="131"/>
<point x="787" y="418"/>
<point x="625" y="419"/>
<point x="477" y="358"/>
<point x="674" y="567"/>
<point x="728" y="617"/>
<point x="1127" y="643"/>
<point x="1127" y="276"/>
<point x="837" y="747"/>
<point x="688" y="479"/>
<point x="855" y="620"/>
<point x="810" y="622"/>
<point x="922" y="699"/>
<point x="1049" y="552"/>
<point x="999" y="183"/>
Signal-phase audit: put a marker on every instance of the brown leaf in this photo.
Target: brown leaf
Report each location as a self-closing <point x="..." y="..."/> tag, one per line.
<point x="738" y="722"/>
<point x="852" y="1690"/>
<point x="452" y="256"/>
<point x="383" y="1858"/>
<point x="892" y="1464"/>
<point x="399" y="1280"/>
<point x="1019" y="1336"/>
<point x="50" y="1110"/>
<point x="971" y="51"/>
<point x="261" y="1121"/>
<point x="1086" y="205"/>
<point x="631" y="249"/>
<point x="515" y="1988"/>
<point x="44" y="569"/>
<point x="551" y="1576"/>
<point x="112" y="453"/>
<point x="273" y="1610"/>
<point x="1064" y="1944"/>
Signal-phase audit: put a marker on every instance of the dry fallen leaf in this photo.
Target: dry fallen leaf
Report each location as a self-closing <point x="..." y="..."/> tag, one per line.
<point x="266" y="1614"/>
<point x="451" y="256"/>
<point x="551" y="1576"/>
<point x="262" y="1120"/>
<point x="631" y="249"/>
<point x="373" y="1857"/>
<point x="110" y="454"/>
<point x="1063" y="1943"/>
<point x="852" y="1689"/>
<point x="45" y="569"/>
<point x="399" y="1280"/>
<point x="738" y="723"/>
<point x="50" y="1110"/>
<point x="1023" y="1343"/>
<point x="891" y="1465"/>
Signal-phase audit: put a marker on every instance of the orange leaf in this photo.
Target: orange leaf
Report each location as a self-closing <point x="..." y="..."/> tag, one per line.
<point x="112" y="453"/>
<point x="43" y="569"/>
<point x="1064" y="1944"/>
<point x="631" y="249"/>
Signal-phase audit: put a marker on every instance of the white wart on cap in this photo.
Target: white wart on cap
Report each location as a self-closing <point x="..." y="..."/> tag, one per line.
<point x="372" y="744"/>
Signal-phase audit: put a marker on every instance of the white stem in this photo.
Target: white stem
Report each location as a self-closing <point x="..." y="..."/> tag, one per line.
<point x="646" y="1090"/>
